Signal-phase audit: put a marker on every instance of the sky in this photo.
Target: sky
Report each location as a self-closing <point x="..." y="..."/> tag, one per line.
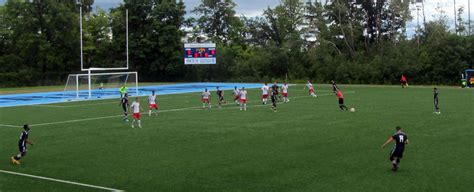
<point x="251" y="8"/>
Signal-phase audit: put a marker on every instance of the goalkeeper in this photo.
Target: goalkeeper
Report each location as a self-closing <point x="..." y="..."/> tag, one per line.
<point x="123" y="91"/>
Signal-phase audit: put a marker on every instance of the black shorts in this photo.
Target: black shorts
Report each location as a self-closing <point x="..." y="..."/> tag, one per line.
<point x="221" y="98"/>
<point x="22" y="148"/>
<point x="397" y="152"/>
<point x="341" y="101"/>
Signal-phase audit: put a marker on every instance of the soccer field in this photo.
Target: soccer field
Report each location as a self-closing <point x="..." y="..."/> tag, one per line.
<point x="308" y="145"/>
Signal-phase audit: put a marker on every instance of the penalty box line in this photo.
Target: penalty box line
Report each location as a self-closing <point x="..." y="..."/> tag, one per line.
<point x="161" y="111"/>
<point x="60" y="181"/>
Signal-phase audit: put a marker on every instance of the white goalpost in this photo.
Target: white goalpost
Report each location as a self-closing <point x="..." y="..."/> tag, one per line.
<point x="100" y="84"/>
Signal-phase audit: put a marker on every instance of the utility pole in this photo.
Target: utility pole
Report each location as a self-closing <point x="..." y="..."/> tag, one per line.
<point x="469" y="15"/>
<point x="455" y="19"/>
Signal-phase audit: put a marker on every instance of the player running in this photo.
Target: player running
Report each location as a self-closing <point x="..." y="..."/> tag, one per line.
<point x="403" y="81"/>
<point x="22" y="145"/>
<point x="341" y="100"/>
<point x="236" y="94"/>
<point x="124" y="104"/>
<point x="311" y="89"/>
<point x="152" y="102"/>
<point x="334" y="86"/>
<point x="243" y="99"/>
<point x="206" y="95"/>
<point x="220" y="95"/>
<point x="274" y="97"/>
<point x="136" y="113"/>
<point x="435" y="100"/>
<point x="401" y="139"/>
<point x="265" y="89"/>
<point x="284" y="90"/>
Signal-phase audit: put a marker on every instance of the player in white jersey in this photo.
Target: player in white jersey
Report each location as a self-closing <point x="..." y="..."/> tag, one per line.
<point x="236" y="94"/>
<point x="136" y="113"/>
<point x="243" y="99"/>
<point x="311" y="89"/>
<point x="284" y="90"/>
<point x="206" y="95"/>
<point x="152" y="102"/>
<point x="265" y="89"/>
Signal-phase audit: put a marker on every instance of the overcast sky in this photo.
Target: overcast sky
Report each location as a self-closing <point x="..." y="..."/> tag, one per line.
<point x="252" y="8"/>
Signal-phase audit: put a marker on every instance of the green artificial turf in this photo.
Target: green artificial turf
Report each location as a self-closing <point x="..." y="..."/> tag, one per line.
<point x="308" y="145"/>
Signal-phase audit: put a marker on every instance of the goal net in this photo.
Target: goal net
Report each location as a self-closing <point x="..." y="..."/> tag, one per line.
<point x="100" y="85"/>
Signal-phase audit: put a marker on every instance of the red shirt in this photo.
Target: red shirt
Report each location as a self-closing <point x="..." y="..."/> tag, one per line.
<point x="339" y="95"/>
<point x="404" y="78"/>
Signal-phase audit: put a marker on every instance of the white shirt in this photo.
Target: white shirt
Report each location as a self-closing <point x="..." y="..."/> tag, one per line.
<point x="152" y="99"/>
<point x="265" y="90"/>
<point x="236" y="92"/>
<point x="309" y="85"/>
<point x="136" y="107"/>
<point x="243" y="94"/>
<point x="206" y="94"/>
<point x="285" y="88"/>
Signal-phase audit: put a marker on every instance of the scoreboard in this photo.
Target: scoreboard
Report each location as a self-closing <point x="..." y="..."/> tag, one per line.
<point x="199" y="53"/>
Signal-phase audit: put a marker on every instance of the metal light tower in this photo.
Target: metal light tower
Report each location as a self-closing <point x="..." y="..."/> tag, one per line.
<point x="455" y="19"/>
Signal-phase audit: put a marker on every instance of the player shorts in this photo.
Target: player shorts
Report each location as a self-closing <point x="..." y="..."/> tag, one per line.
<point x="311" y="90"/>
<point x="153" y="106"/>
<point x="205" y="100"/>
<point x="236" y="97"/>
<point x="341" y="101"/>
<point x="285" y="94"/>
<point x="136" y="115"/>
<point x="22" y="148"/>
<point x="264" y="96"/>
<point x="397" y="152"/>
<point x="125" y="109"/>
<point x="243" y="100"/>
<point x="221" y="98"/>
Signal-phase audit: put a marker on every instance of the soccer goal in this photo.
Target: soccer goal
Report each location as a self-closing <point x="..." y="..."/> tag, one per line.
<point x="100" y="85"/>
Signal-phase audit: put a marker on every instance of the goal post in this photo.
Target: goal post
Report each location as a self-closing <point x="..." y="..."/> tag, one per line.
<point x="99" y="85"/>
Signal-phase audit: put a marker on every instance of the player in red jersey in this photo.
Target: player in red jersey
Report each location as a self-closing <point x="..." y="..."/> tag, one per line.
<point x="136" y="113"/>
<point x="341" y="100"/>
<point x="311" y="89"/>
<point x="243" y="99"/>
<point x="265" y="89"/>
<point x="403" y="81"/>
<point x="284" y="90"/>
<point x="152" y="102"/>
<point x="206" y="95"/>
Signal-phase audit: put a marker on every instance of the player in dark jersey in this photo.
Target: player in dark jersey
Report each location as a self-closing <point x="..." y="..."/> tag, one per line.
<point x="401" y="139"/>
<point x="220" y="95"/>
<point x="274" y="97"/>
<point x="435" y="100"/>
<point x="334" y="86"/>
<point x="124" y="104"/>
<point x="276" y="88"/>
<point x="22" y="144"/>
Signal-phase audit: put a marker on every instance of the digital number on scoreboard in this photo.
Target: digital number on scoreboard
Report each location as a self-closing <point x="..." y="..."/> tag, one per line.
<point x="200" y="53"/>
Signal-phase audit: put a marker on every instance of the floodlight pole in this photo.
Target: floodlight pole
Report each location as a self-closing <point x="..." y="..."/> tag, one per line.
<point x="469" y="15"/>
<point x="455" y="19"/>
<point x="89" y="82"/>
<point x="80" y="32"/>
<point x="126" y="31"/>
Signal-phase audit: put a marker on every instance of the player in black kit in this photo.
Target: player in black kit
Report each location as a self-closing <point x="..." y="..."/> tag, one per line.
<point x="334" y="86"/>
<point x="435" y="100"/>
<point x="274" y="97"/>
<point x="124" y="104"/>
<point x="401" y="139"/>
<point x="22" y="144"/>
<point x="220" y="94"/>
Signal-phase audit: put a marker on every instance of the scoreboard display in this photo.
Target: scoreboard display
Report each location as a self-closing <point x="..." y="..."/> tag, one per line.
<point x="200" y="53"/>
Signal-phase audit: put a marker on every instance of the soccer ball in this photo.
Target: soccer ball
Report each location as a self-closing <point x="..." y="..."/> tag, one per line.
<point x="352" y="109"/>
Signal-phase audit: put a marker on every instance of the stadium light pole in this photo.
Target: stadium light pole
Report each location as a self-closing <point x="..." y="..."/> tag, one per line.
<point x="455" y="19"/>
<point x="469" y="15"/>
<point x="80" y="33"/>
<point x="126" y="38"/>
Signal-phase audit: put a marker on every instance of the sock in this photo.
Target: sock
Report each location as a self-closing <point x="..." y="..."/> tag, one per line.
<point x="139" y="123"/>
<point x="149" y="112"/>
<point x="203" y="105"/>
<point x="245" y="106"/>
<point x="209" y="105"/>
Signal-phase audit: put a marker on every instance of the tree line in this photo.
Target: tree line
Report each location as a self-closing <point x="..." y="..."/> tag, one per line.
<point x="348" y="41"/>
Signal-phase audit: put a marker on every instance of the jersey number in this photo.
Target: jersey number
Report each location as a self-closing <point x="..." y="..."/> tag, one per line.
<point x="401" y="138"/>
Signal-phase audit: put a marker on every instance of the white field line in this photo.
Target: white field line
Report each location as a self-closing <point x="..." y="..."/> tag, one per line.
<point x="90" y="104"/>
<point x="13" y="126"/>
<point x="161" y="111"/>
<point x="59" y="180"/>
